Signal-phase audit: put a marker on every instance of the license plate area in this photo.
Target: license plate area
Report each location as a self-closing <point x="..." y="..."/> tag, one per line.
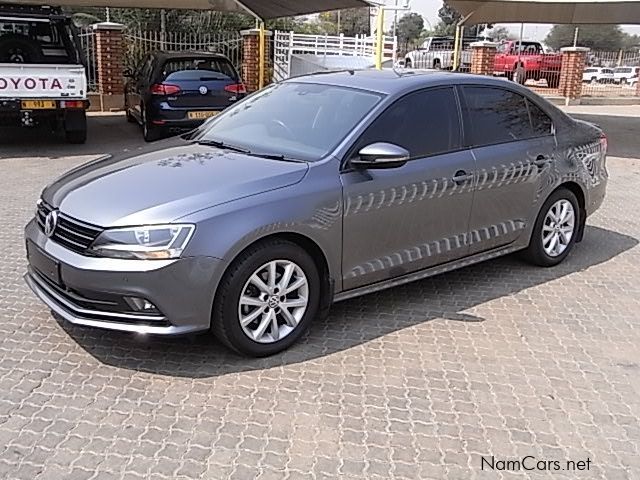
<point x="43" y="263"/>
<point x="38" y="104"/>
<point x="199" y="115"/>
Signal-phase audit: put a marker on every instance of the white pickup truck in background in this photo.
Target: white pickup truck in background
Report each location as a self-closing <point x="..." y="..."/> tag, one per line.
<point x="42" y="78"/>
<point x="437" y="53"/>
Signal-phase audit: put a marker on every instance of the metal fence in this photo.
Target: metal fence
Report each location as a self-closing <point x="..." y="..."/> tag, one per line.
<point x="611" y="74"/>
<point x="88" y="44"/>
<point x="138" y="44"/>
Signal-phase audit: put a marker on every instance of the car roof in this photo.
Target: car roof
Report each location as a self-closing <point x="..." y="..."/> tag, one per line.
<point x="391" y="81"/>
<point x="169" y="55"/>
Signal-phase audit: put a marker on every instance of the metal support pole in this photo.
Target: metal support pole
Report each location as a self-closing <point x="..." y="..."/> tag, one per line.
<point x="379" y="37"/>
<point x="458" y="41"/>
<point x="261" y="51"/>
<point x="575" y="36"/>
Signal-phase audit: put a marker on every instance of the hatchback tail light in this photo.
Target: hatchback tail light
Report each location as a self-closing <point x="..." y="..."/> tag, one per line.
<point x="164" y="89"/>
<point x="236" y="88"/>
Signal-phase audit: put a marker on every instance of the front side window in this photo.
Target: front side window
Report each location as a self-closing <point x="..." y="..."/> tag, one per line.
<point x="299" y="120"/>
<point x="495" y="115"/>
<point x="424" y="123"/>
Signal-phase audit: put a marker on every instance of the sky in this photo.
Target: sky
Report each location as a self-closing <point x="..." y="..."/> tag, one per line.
<point x="429" y="10"/>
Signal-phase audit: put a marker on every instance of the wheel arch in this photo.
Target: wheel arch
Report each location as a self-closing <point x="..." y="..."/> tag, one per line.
<point x="579" y="192"/>
<point x="314" y="250"/>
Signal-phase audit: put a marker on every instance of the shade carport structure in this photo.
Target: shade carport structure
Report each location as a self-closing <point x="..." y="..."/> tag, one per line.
<point x="544" y="11"/>
<point x="260" y="9"/>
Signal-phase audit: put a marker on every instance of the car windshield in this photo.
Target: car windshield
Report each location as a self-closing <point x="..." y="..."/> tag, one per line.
<point x="298" y="120"/>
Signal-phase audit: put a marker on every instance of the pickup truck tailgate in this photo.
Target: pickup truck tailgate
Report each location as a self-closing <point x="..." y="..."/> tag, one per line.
<point x="42" y="81"/>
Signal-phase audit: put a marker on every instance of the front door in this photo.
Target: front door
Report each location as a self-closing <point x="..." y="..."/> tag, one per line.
<point x="404" y="219"/>
<point x="514" y="146"/>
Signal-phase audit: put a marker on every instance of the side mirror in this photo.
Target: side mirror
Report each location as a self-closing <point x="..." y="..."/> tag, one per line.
<point x="381" y="155"/>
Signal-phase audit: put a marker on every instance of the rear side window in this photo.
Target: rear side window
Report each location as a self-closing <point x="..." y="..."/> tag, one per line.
<point x="425" y="123"/>
<point x="540" y="121"/>
<point x="495" y="115"/>
<point x="198" y="69"/>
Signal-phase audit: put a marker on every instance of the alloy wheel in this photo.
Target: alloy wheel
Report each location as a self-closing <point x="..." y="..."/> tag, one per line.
<point x="273" y="301"/>
<point x="558" y="228"/>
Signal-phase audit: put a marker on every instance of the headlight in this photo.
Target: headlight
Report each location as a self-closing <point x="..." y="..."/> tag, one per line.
<point x="148" y="242"/>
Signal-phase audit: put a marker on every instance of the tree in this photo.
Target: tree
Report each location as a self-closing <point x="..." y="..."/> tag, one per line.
<point x="353" y="21"/>
<point x="409" y="29"/>
<point x="449" y="18"/>
<point x="498" y="34"/>
<point x="596" y="37"/>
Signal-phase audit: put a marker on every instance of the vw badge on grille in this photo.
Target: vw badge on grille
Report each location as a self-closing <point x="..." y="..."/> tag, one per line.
<point x="50" y="223"/>
<point x="203" y="90"/>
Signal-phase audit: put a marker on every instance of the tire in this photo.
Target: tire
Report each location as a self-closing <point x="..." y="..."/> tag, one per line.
<point x="536" y="252"/>
<point x="19" y="49"/>
<point x="437" y="65"/>
<point x="150" y="133"/>
<point x="553" y="82"/>
<point x="76" y="136"/>
<point x="130" y="117"/>
<point x="594" y="80"/>
<point x="227" y="309"/>
<point x="75" y="126"/>
<point x="407" y="63"/>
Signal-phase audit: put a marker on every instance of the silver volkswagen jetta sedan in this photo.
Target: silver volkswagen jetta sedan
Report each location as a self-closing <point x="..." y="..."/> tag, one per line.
<point x="311" y="191"/>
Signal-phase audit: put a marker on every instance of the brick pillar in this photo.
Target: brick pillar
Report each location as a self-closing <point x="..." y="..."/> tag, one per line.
<point x="573" y="62"/>
<point x="110" y="64"/>
<point x="251" y="58"/>
<point x="483" y="57"/>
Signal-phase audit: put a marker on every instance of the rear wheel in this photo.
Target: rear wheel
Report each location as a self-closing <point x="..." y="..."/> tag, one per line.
<point x="554" y="233"/>
<point x="267" y="299"/>
<point x="75" y="126"/>
<point x="150" y="132"/>
<point x="436" y="64"/>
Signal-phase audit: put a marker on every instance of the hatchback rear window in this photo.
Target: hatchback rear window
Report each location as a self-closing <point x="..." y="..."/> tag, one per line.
<point x="198" y="69"/>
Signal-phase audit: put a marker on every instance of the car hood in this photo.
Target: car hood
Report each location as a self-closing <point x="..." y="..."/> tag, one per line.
<point x="166" y="184"/>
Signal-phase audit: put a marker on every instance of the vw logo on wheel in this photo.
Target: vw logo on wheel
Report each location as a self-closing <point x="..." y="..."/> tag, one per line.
<point x="203" y="90"/>
<point x="50" y="223"/>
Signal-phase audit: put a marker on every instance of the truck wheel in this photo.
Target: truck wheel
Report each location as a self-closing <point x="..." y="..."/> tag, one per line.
<point x="436" y="64"/>
<point x="553" y="82"/>
<point x="75" y="126"/>
<point x="407" y="63"/>
<point x="19" y="49"/>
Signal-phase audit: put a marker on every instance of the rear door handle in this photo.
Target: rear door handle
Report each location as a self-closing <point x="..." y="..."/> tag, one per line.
<point x="462" y="176"/>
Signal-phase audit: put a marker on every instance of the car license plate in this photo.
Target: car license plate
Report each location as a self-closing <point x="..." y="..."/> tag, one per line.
<point x="43" y="263"/>
<point x="38" y="104"/>
<point x="202" y="114"/>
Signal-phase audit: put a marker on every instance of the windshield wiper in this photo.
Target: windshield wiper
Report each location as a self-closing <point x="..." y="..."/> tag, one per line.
<point x="276" y="156"/>
<point x="225" y="146"/>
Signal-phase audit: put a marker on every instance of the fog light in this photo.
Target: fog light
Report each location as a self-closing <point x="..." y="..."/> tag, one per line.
<point x="141" y="305"/>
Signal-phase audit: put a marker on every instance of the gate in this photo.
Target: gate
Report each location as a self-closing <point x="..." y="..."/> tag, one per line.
<point x="297" y="54"/>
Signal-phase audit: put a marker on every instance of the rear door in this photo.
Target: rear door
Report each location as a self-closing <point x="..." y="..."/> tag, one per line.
<point x="205" y="82"/>
<point x="514" y="146"/>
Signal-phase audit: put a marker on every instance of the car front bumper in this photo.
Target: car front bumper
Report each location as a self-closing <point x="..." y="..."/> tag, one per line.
<point x="91" y="291"/>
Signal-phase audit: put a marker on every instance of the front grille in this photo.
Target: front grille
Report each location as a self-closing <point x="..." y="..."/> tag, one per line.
<point x="70" y="233"/>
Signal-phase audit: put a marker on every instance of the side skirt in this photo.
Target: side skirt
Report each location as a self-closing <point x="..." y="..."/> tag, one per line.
<point x="429" y="272"/>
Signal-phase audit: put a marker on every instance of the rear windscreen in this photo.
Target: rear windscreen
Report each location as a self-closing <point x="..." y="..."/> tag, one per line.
<point x="198" y="69"/>
<point x="35" y="41"/>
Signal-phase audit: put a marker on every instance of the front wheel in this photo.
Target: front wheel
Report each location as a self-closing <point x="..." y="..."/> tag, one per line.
<point x="554" y="233"/>
<point x="267" y="299"/>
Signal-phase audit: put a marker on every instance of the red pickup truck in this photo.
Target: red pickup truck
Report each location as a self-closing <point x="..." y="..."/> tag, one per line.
<point x="522" y="61"/>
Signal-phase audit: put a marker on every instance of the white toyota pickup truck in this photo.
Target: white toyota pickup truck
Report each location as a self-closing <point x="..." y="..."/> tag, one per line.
<point x="42" y="76"/>
<point x="437" y="53"/>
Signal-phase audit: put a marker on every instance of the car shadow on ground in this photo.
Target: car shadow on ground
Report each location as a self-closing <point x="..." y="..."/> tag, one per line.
<point x="107" y="134"/>
<point x="353" y="322"/>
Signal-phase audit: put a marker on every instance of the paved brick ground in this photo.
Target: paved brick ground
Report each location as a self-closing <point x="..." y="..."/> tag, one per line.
<point x="420" y="381"/>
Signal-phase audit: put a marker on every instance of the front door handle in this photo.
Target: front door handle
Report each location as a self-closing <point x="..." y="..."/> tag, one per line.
<point x="541" y="161"/>
<point x="462" y="176"/>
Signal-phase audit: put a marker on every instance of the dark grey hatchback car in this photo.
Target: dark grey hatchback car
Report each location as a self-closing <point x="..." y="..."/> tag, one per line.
<point x="311" y="191"/>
